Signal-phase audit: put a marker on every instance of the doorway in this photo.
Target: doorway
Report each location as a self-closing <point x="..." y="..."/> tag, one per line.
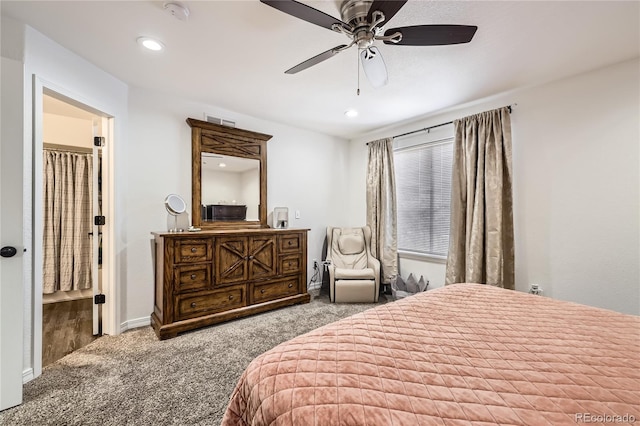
<point x="68" y="209"/>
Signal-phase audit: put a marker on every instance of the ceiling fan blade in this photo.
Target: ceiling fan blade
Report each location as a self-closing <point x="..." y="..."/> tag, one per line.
<point x="388" y="7"/>
<point x="433" y="35"/>
<point x="304" y="12"/>
<point x="316" y="59"/>
<point x="374" y="66"/>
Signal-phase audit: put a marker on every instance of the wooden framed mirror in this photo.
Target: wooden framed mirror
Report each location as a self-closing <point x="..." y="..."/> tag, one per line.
<point x="228" y="176"/>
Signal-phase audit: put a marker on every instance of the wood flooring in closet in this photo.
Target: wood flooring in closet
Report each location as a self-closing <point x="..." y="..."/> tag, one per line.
<point x="66" y="326"/>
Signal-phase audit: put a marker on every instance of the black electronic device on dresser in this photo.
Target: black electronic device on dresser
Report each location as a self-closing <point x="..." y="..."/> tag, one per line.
<point x="224" y="212"/>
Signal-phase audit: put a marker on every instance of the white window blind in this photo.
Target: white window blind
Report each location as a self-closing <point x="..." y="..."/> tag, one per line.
<point x="423" y="191"/>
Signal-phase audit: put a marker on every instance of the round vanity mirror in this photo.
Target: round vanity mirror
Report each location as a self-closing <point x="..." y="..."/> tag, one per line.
<point x="175" y="204"/>
<point x="177" y="219"/>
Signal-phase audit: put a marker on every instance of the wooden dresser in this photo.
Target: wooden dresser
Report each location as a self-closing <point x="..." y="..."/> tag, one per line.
<point x="207" y="277"/>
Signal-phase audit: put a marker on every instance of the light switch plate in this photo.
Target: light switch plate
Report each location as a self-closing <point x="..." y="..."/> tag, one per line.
<point x="297" y="214"/>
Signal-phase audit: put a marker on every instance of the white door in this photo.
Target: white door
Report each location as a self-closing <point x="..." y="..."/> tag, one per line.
<point x="11" y="181"/>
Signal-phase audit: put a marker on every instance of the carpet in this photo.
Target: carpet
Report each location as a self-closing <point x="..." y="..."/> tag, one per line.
<point x="136" y="379"/>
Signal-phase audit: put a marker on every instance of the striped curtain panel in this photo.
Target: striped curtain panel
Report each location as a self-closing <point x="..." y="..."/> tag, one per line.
<point x="68" y="195"/>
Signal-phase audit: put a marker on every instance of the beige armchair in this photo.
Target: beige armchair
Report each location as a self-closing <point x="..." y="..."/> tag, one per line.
<point x="354" y="274"/>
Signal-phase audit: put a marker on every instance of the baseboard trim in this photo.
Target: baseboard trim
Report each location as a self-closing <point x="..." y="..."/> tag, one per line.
<point x="27" y="375"/>
<point x="135" y="323"/>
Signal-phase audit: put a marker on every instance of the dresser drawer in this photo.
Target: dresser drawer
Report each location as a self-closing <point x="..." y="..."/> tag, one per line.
<point x="289" y="243"/>
<point x="193" y="277"/>
<point x="193" y="250"/>
<point x="289" y="264"/>
<point x="274" y="290"/>
<point x="204" y="303"/>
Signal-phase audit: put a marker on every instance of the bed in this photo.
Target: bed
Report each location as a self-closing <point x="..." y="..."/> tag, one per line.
<point x="459" y="355"/>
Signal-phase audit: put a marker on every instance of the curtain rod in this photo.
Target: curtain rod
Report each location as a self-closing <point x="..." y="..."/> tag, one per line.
<point x="67" y="148"/>
<point x="426" y="129"/>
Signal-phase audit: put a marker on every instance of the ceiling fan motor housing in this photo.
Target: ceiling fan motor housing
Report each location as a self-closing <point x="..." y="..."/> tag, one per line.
<point x="355" y="12"/>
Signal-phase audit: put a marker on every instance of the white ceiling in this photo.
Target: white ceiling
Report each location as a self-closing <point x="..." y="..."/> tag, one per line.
<point x="212" y="163"/>
<point x="233" y="54"/>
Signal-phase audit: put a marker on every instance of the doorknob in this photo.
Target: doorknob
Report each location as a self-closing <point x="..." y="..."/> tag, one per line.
<point x="8" y="251"/>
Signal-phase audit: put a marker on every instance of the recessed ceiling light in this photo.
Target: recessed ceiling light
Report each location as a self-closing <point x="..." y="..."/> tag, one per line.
<point x="150" y="43"/>
<point x="351" y="113"/>
<point x="222" y="165"/>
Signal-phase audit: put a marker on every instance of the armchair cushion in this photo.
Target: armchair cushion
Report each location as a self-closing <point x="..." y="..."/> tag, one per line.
<point x="354" y="274"/>
<point x="351" y="244"/>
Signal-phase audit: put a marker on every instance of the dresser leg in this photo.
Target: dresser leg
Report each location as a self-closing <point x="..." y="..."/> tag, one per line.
<point x="167" y="335"/>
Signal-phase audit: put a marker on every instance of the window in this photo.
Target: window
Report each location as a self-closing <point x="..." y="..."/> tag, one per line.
<point x="423" y="191"/>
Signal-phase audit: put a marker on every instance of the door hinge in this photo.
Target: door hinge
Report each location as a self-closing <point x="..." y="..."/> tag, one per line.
<point x="99" y="299"/>
<point x="98" y="141"/>
<point x="99" y="220"/>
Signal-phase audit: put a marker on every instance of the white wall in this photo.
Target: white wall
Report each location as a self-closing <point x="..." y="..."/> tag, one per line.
<point x="576" y="185"/>
<point x="220" y="187"/>
<point x="251" y="191"/>
<point x="70" y="131"/>
<point x="306" y="171"/>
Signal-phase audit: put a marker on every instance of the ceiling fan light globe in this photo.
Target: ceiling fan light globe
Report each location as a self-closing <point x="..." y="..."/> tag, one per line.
<point x="374" y="67"/>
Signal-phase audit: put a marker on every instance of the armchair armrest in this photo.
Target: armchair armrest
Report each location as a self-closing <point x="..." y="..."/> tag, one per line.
<point x="374" y="264"/>
<point x="332" y="272"/>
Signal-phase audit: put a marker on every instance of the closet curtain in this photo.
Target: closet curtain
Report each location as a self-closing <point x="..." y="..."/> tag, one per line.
<point x="481" y="247"/>
<point x="381" y="207"/>
<point x="68" y="195"/>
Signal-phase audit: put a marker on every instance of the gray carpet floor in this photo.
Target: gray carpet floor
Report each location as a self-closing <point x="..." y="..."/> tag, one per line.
<point x="135" y="379"/>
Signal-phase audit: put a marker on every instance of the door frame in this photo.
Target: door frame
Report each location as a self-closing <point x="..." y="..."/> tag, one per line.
<point x="109" y="311"/>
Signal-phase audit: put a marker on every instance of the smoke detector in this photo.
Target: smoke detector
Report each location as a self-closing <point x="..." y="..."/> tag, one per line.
<point x="177" y="10"/>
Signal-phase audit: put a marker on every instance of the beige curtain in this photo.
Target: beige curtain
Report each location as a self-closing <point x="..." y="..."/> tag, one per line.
<point x="68" y="195"/>
<point x="381" y="207"/>
<point x="481" y="247"/>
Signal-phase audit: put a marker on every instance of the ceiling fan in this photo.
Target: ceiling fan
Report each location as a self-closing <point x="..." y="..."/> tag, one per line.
<point x="362" y="21"/>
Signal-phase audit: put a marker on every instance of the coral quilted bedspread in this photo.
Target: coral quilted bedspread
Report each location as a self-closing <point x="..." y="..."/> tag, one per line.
<point x="459" y="355"/>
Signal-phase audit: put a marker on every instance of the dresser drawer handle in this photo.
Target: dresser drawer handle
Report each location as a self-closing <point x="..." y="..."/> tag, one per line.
<point x="193" y="304"/>
<point x="193" y="249"/>
<point x="262" y="290"/>
<point x="290" y="285"/>
<point x="290" y="242"/>
<point x="289" y="263"/>
<point x="230" y="297"/>
<point x="193" y="276"/>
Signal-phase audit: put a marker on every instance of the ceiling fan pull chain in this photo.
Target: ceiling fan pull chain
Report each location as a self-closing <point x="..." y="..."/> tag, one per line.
<point x="358" y="63"/>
